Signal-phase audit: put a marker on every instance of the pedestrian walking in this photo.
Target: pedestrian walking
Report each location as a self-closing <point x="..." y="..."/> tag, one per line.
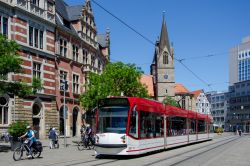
<point x="52" y="137"/>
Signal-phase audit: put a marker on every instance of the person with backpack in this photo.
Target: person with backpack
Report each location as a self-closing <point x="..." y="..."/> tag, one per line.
<point x="88" y="134"/>
<point x="30" y="134"/>
<point x="52" y="137"/>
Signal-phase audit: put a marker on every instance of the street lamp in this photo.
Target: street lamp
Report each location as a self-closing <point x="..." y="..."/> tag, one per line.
<point x="64" y="86"/>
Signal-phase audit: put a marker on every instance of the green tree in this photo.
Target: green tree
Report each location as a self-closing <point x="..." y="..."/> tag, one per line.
<point x="117" y="78"/>
<point x="170" y="101"/>
<point x="10" y="62"/>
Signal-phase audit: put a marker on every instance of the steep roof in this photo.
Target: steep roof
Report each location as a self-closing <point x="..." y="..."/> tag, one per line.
<point x="61" y="9"/>
<point x="74" y="12"/>
<point x="148" y="81"/>
<point x="101" y="39"/>
<point x="164" y="40"/>
<point x="180" y="89"/>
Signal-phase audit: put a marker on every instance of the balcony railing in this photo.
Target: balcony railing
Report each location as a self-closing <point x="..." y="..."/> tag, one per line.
<point x="50" y="17"/>
<point x="87" y="39"/>
<point x="6" y="1"/>
<point x="22" y="4"/>
<point x="37" y="10"/>
<point x="34" y="9"/>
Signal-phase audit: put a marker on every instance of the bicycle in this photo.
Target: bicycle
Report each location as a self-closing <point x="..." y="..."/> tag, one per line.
<point x="56" y="143"/>
<point x="86" y="143"/>
<point x="18" y="152"/>
<point x="80" y="144"/>
<point x="5" y="137"/>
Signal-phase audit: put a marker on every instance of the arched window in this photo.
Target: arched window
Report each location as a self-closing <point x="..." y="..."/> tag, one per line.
<point x="165" y="58"/>
<point x="4" y="110"/>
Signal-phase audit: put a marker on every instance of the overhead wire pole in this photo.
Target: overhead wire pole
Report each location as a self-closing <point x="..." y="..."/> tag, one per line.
<point x="64" y="86"/>
<point x="147" y="39"/>
<point x="64" y="113"/>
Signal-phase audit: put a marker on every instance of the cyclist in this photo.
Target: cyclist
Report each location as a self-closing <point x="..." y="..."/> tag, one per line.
<point x="30" y="134"/>
<point x="82" y="131"/>
<point x="88" y="133"/>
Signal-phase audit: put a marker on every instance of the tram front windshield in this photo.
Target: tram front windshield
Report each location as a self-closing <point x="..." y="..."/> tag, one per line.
<point x="112" y="119"/>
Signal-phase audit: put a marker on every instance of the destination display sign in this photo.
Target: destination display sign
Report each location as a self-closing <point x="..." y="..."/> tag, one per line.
<point x="113" y="102"/>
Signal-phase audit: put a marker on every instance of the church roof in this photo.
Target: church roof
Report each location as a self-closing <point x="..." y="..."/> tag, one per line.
<point x="164" y="40"/>
<point x="148" y="81"/>
<point x="180" y="89"/>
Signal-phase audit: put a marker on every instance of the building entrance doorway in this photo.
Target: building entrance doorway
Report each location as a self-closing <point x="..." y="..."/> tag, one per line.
<point x="36" y="118"/>
<point x="74" y="121"/>
<point x="61" y="115"/>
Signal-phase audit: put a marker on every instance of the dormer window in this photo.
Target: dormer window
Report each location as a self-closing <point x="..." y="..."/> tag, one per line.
<point x="35" y="2"/>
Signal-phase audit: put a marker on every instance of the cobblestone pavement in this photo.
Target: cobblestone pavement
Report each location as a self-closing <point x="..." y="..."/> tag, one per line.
<point x="226" y="149"/>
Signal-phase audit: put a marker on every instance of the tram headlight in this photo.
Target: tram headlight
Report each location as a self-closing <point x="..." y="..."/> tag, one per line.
<point x="123" y="139"/>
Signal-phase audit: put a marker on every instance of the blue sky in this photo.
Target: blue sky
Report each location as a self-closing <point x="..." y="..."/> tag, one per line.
<point x="196" y="28"/>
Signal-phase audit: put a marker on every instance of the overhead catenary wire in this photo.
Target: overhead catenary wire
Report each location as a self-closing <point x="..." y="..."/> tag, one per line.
<point x="151" y="42"/>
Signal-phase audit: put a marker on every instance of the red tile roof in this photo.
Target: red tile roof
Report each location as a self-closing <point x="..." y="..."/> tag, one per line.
<point x="148" y="81"/>
<point x="197" y="93"/>
<point x="179" y="88"/>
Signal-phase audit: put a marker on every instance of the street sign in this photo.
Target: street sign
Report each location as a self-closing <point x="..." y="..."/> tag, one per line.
<point x="64" y="85"/>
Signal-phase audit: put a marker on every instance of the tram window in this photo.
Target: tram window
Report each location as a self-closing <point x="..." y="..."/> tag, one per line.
<point x="146" y="124"/>
<point x="151" y="125"/>
<point x="133" y="130"/>
<point x="176" y="126"/>
<point x="192" y="129"/>
<point x="201" y="126"/>
<point x="159" y="125"/>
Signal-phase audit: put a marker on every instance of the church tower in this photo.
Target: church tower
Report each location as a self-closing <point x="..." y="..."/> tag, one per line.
<point x="162" y="67"/>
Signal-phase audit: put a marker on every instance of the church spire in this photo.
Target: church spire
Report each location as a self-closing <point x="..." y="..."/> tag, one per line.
<point x="164" y="41"/>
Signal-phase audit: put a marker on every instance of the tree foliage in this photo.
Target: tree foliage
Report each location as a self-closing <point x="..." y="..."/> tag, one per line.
<point x="117" y="78"/>
<point x="170" y="101"/>
<point x="18" y="128"/>
<point x="10" y="62"/>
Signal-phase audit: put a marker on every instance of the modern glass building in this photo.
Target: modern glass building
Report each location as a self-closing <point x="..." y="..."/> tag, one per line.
<point x="238" y="115"/>
<point x="239" y="62"/>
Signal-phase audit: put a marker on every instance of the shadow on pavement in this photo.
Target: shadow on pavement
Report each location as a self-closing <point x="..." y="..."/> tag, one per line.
<point x="5" y="148"/>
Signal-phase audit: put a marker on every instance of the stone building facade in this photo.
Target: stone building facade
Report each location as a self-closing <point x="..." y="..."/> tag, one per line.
<point x="32" y="25"/>
<point x="79" y="51"/>
<point x="52" y="44"/>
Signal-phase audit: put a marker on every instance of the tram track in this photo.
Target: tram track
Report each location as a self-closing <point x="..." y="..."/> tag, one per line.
<point x="104" y="162"/>
<point x="213" y="146"/>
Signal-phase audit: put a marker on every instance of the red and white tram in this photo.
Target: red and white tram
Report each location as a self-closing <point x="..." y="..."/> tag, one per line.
<point x="132" y="126"/>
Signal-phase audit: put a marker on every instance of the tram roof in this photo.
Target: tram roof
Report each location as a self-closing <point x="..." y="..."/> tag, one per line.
<point x="156" y="106"/>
